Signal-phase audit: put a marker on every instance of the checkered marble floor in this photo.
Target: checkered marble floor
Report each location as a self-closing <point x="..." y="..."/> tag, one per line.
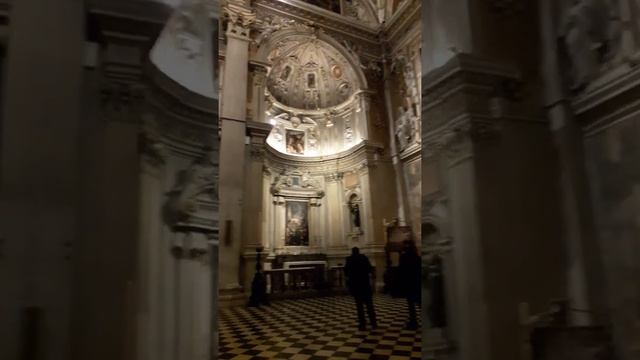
<point x="318" y="328"/>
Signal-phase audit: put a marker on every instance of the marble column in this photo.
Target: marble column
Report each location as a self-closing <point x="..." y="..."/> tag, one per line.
<point x="232" y="146"/>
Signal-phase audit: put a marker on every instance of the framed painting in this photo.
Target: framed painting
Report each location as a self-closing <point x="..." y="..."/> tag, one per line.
<point x="295" y="142"/>
<point x="297" y="224"/>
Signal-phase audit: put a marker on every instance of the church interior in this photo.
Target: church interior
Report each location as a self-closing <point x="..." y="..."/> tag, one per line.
<point x="187" y="179"/>
<point x="319" y="153"/>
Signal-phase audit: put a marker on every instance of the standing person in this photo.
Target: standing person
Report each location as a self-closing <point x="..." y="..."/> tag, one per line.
<point x="410" y="279"/>
<point x="357" y="270"/>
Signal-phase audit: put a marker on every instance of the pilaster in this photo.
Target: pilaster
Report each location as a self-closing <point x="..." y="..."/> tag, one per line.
<point x="238" y="19"/>
<point x="475" y="122"/>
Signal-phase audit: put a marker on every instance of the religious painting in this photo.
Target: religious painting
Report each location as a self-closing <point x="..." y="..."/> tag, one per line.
<point x="295" y="142"/>
<point x="297" y="228"/>
<point x="331" y="5"/>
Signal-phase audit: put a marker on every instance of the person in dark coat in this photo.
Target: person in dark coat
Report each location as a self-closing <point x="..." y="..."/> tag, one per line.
<point x="410" y="268"/>
<point x="357" y="270"/>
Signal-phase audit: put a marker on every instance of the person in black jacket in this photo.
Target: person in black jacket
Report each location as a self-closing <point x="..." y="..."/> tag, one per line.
<point x="357" y="270"/>
<point x="410" y="268"/>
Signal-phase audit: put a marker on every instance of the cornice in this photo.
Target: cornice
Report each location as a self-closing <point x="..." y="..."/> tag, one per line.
<point x="403" y="21"/>
<point x="335" y="25"/>
<point x="208" y="106"/>
<point x="469" y="86"/>
<point x="609" y="103"/>
<point x="133" y="17"/>
<point x="188" y="120"/>
<point x="360" y="156"/>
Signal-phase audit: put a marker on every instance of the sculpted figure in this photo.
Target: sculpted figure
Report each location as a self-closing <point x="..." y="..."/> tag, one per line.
<point x="271" y="25"/>
<point x="194" y="182"/>
<point x="590" y="36"/>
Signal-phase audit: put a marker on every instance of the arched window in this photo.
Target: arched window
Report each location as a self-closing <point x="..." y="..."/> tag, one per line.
<point x="311" y="81"/>
<point x="285" y="73"/>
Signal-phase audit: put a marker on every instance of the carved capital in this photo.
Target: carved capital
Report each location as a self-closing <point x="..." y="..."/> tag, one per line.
<point x="334" y="177"/>
<point x="239" y="20"/>
<point x="456" y="141"/>
<point x="257" y="152"/>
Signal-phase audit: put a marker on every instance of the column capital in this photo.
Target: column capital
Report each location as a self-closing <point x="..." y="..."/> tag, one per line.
<point x="258" y="131"/>
<point x="456" y="140"/>
<point x="239" y="20"/>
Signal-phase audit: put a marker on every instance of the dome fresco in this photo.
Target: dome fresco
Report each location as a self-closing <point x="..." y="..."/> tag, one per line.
<point x="307" y="73"/>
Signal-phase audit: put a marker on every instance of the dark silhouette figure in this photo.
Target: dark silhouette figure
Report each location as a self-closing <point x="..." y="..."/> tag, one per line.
<point x="357" y="270"/>
<point x="437" y="307"/>
<point x="259" y="284"/>
<point x="410" y="279"/>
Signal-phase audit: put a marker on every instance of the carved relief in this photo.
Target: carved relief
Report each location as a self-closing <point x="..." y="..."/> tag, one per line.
<point x="194" y="187"/>
<point x="239" y="19"/>
<point x="592" y="35"/>
<point x="296" y="182"/>
<point x="186" y="33"/>
<point x="313" y="138"/>
<point x="270" y="25"/>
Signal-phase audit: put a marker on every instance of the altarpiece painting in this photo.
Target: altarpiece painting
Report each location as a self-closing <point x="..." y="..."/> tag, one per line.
<point x="297" y="226"/>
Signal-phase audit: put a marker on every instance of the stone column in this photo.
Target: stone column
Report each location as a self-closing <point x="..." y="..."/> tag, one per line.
<point x="335" y="212"/>
<point x="395" y="154"/>
<point x="232" y="146"/>
<point x="366" y="216"/>
<point x="585" y="282"/>
<point x="470" y="280"/>
<point x="253" y="197"/>
<point x="152" y="161"/>
<point x="192" y="252"/>
<point x="259" y="81"/>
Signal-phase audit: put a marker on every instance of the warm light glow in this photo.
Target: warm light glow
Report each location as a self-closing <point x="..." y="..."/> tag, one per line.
<point x="329" y="123"/>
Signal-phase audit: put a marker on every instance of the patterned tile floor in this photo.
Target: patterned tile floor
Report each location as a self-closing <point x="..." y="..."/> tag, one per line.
<point x="318" y="328"/>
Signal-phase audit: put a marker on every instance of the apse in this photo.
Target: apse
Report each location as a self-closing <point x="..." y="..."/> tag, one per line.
<point x="315" y="98"/>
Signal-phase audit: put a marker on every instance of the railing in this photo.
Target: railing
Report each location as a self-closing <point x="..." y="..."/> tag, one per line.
<point x="310" y="280"/>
